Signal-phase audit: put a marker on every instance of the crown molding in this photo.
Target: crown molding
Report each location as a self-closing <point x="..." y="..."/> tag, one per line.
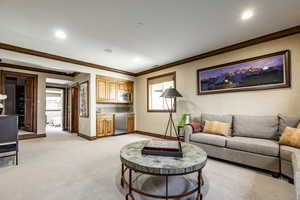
<point x="258" y="40"/>
<point x="22" y="67"/>
<point x="10" y="47"/>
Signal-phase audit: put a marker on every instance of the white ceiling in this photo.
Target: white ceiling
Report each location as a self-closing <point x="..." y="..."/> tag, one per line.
<point x="155" y="32"/>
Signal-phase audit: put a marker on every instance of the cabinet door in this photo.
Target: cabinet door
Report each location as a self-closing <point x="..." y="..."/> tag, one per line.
<point x="109" y="126"/>
<point x="130" y="123"/>
<point x="111" y="91"/>
<point x="101" y="90"/>
<point x="129" y="87"/>
<point x="97" y="127"/>
<point x="130" y="90"/>
<point x="121" y="85"/>
<point x="100" y="126"/>
<point x="125" y="88"/>
<point x="105" y="125"/>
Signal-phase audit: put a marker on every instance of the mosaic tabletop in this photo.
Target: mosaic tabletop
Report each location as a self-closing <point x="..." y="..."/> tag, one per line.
<point x="194" y="158"/>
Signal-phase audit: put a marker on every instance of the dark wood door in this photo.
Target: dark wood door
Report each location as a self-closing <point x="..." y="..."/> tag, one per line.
<point x="74" y="110"/>
<point x="29" y="105"/>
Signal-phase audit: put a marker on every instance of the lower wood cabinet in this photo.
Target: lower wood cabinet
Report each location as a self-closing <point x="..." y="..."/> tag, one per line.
<point x="105" y="125"/>
<point x="130" y="123"/>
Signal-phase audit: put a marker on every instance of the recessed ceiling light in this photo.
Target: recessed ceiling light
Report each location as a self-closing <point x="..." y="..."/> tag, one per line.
<point x="247" y="14"/>
<point x="137" y="59"/>
<point x="108" y="50"/>
<point x="60" y="34"/>
<point x="139" y="24"/>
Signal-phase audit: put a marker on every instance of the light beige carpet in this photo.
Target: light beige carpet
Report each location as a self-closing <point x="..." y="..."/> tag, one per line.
<point x="64" y="166"/>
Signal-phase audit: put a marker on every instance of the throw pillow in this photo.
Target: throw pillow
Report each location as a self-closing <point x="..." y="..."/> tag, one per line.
<point x="215" y="127"/>
<point x="290" y="137"/>
<point x="196" y="127"/>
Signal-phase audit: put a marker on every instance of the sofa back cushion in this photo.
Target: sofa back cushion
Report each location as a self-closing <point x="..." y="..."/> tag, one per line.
<point x="284" y="121"/>
<point x="265" y="127"/>
<point x="220" y="118"/>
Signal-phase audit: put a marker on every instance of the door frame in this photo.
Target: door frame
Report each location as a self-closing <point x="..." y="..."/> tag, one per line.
<point x="75" y="87"/>
<point x="5" y="73"/>
<point x="65" y="110"/>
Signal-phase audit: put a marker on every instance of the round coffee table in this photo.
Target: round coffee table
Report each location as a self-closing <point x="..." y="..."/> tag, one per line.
<point x="194" y="159"/>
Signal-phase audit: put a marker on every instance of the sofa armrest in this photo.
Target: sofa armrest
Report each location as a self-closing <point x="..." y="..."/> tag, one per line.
<point x="188" y="130"/>
<point x="296" y="170"/>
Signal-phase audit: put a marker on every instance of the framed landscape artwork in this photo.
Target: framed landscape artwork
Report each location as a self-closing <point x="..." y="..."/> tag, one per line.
<point x="260" y="73"/>
<point x="84" y="99"/>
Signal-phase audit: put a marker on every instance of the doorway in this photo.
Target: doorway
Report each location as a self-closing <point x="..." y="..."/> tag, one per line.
<point x="75" y="110"/>
<point x="55" y="109"/>
<point x="21" y="91"/>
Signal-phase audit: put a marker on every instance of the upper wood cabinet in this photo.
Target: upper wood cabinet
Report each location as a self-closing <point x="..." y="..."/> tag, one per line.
<point x="112" y="90"/>
<point x="101" y="90"/>
<point x="125" y="91"/>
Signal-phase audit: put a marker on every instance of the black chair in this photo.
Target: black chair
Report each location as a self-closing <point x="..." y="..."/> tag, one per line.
<point x="9" y="136"/>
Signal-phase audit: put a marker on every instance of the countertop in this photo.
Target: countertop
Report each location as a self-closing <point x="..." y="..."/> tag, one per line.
<point x="113" y="113"/>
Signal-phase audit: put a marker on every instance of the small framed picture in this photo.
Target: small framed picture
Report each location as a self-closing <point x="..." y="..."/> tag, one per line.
<point x="84" y="99"/>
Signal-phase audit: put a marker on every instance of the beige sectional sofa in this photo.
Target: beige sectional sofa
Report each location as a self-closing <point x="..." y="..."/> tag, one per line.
<point x="253" y="142"/>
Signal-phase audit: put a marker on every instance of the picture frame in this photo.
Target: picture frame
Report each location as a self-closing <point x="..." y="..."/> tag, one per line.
<point x="264" y="72"/>
<point x="84" y="99"/>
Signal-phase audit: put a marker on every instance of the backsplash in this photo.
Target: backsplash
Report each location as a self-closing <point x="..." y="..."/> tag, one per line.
<point x="113" y="108"/>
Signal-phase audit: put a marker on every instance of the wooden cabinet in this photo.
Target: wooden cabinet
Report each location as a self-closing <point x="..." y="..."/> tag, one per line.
<point x="130" y="123"/>
<point x="106" y="90"/>
<point x="125" y="92"/>
<point x="105" y="125"/>
<point x="101" y="90"/>
<point x="129" y="86"/>
<point x="125" y="86"/>
<point x="112" y="90"/>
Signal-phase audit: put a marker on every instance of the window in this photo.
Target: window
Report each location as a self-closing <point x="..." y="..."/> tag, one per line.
<point x="156" y="86"/>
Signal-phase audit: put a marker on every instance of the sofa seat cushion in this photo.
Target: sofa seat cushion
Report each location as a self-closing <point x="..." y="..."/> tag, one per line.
<point x="287" y="151"/>
<point x="211" y="139"/>
<point x="254" y="145"/>
<point x="265" y="127"/>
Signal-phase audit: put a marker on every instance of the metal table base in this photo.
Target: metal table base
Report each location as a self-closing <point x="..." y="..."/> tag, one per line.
<point x="131" y="189"/>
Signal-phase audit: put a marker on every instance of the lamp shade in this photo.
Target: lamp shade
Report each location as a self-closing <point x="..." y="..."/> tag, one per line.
<point x="3" y="96"/>
<point x="171" y="93"/>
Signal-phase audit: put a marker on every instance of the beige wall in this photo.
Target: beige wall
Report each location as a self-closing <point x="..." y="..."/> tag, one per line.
<point x="265" y="102"/>
<point x="84" y="122"/>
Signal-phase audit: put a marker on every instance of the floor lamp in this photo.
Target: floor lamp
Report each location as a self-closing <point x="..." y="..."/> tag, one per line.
<point x="172" y="94"/>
